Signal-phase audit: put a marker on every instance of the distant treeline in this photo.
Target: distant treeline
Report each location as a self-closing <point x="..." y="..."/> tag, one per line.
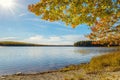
<point x="13" y="43"/>
<point x="92" y="44"/>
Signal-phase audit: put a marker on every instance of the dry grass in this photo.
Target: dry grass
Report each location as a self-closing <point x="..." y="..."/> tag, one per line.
<point x="98" y="67"/>
<point x="107" y="60"/>
<point x="98" y="63"/>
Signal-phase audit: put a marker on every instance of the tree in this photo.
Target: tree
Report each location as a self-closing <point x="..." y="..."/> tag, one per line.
<point x="105" y="33"/>
<point x="101" y="15"/>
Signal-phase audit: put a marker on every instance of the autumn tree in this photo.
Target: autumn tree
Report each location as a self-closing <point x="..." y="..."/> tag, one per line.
<point x="102" y="16"/>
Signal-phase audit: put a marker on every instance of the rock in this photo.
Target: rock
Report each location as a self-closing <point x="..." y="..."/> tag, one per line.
<point x="2" y="77"/>
<point x="18" y="73"/>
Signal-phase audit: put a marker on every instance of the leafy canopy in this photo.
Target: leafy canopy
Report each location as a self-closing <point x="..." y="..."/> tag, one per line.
<point x="100" y="15"/>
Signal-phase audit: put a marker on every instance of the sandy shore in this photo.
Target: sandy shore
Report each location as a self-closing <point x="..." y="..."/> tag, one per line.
<point x="79" y="74"/>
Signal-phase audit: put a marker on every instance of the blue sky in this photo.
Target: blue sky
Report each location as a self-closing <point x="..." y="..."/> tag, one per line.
<point x="18" y="24"/>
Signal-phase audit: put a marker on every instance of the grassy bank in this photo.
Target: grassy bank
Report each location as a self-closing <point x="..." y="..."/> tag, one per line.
<point x="107" y="60"/>
<point x="99" y="67"/>
<point x="99" y="62"/>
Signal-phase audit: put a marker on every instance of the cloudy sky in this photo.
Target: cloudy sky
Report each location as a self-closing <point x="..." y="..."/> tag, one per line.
<point x="18" y="24"/>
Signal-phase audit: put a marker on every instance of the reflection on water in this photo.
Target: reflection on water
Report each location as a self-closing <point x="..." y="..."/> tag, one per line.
<point x="38" y="59"/>
<point x="96" y="50"/>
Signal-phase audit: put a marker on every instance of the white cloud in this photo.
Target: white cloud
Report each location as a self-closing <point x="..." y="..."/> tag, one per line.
<point x="49" y="40"/>
<point x="75" y="37"/>
<point x="55" y="40"/>
<point x="36" y="38"/>
<point x="7" y="38"/>
<point x="24" y="14"/>
<point x="32" y="19"/>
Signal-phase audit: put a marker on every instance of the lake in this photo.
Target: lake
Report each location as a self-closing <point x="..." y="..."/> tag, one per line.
<point x="40" y="59"/>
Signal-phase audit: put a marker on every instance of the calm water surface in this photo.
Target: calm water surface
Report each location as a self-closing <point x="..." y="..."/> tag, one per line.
<point x="39" y="59"/>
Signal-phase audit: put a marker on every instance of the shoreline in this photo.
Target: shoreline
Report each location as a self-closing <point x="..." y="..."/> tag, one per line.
<point x="72" y="71"/>
<point x="104" y="67"/>
<point x="44" y="72"/>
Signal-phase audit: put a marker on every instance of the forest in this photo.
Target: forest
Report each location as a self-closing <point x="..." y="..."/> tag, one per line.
<point x="93" y="44"/>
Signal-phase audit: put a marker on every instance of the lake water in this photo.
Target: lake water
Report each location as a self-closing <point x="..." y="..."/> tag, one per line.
<point x="39" y="59"/>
